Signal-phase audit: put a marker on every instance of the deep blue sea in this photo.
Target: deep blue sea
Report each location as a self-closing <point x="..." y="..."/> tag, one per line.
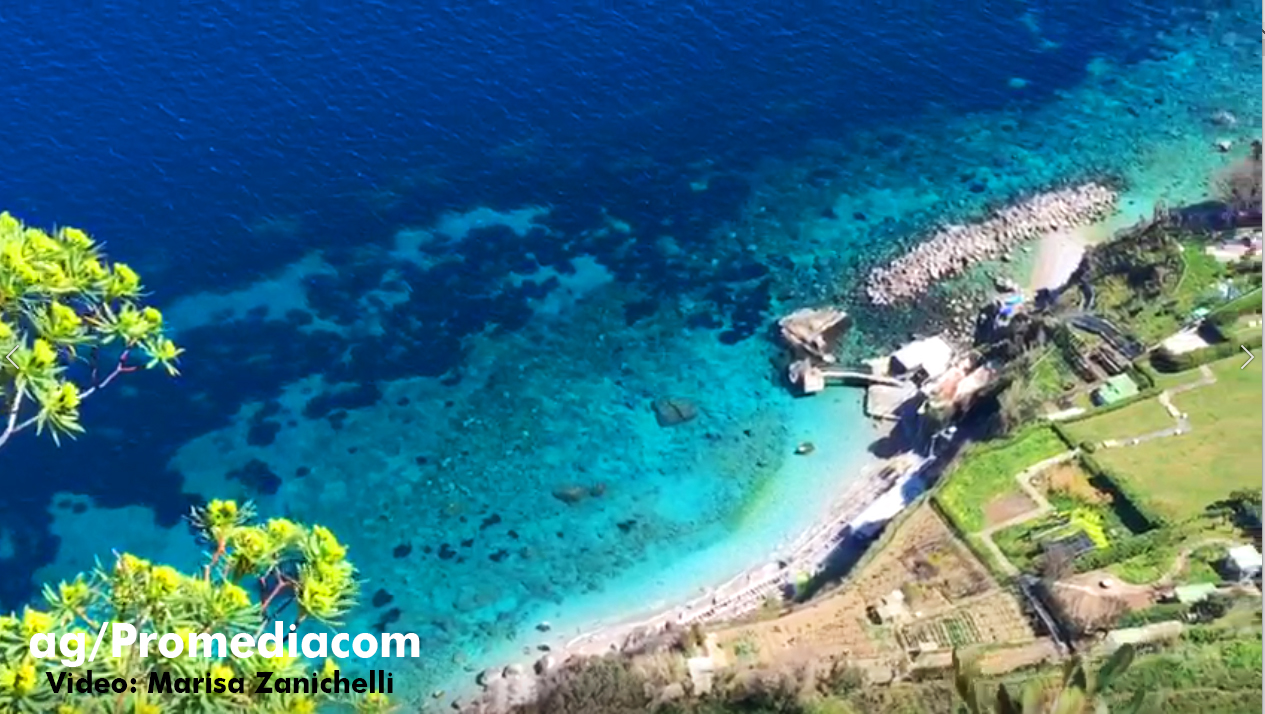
<point x="432" y="262"/>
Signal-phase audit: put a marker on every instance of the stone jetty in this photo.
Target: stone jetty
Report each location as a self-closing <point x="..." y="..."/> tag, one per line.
<point x="954" y="249"/>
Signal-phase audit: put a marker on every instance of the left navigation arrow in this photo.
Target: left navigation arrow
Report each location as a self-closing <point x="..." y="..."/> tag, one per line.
<point x="10" y="358"/>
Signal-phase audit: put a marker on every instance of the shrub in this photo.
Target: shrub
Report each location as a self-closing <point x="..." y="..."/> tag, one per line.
<point x="1163" y="612"/>
<point x="605" y="685"/>
<point x="1081" y="690"/>
<point x="1125" y="549"/>
<point x="291" y="565"/>
<point x="70" y="323"/>
<point x="841" y="679"/>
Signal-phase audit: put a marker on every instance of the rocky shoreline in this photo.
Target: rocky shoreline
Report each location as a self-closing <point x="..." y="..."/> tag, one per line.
<point x="954" y="249"/>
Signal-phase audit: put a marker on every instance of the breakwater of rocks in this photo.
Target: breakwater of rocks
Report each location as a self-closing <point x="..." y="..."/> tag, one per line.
<point x="955" y="248"/>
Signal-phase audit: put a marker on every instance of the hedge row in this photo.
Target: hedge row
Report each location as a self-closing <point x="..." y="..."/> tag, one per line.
<point x="1143" y="395"/>
<point x="1163" y="612"/>
<point x="1148" y="370"/>
<point x="1058" y="429"/>
<point x="1124" y="488"/>
<point x="1123" y="549"/>
<point x="1229" y="312"/>
<point x="1141" y="376"/>
<point x="1165" y="361"/>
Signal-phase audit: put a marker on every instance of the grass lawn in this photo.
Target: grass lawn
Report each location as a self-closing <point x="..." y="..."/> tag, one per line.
<point x="1168" y="380"/>
<point x="988" y="471"/>
<point x="1182" y="475"/>
<point x="1201" y="566"/>
<point x="1136" y="419"/>
<point x="1244" y="327"/>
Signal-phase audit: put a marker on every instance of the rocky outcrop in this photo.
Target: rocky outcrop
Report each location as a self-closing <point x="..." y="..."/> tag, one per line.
<point x="811" y="331"/>
<point x="503" y="691"/>
<point x="956" y="248"/>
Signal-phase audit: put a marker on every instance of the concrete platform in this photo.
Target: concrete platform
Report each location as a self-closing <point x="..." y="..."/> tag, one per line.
<point x="884" y="401"/>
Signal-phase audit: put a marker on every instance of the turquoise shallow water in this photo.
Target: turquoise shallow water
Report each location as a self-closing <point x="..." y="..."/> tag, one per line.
<point x="664" y="511"/>
<point x="469" y="478"/>
<point x="538" y="485"/>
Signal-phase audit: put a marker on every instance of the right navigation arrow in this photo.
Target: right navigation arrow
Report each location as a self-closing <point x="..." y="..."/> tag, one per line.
<point x="1250" y="356"/>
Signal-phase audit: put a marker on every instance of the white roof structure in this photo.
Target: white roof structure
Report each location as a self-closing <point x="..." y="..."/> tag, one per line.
<point x="933" y="355"/>
<point x="1244" y="557"/>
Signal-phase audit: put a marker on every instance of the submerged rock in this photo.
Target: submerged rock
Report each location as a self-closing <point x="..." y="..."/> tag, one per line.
<point x="570" y="494"/>
<point x="672" y="412"/>
<point x="382" y="598"/>
<point x="487" y="676"/>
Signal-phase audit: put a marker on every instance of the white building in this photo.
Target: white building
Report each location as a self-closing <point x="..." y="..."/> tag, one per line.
<point x="1244" y="562"/>
<point x="932" y="355"/>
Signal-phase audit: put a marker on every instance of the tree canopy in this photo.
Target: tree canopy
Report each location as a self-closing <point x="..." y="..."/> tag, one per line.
<point x="255" y="574"/>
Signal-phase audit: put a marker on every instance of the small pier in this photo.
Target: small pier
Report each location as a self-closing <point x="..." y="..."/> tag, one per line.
<point x="812" y="378"/>
<point x="854" y="378"/>
<point x="921" y="372"/>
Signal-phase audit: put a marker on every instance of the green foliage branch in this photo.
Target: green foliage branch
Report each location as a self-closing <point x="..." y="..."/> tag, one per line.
<point x="61" y="303"/>
<point x="297" y="572"/>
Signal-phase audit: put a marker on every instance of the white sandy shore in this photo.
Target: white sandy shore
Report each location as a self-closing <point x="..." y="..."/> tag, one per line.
<point x="746" y="592"/>
<point x="1058" y="255"/>
<point x="870" y="500"/>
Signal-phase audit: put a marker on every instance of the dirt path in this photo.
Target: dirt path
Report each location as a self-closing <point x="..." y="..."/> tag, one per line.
<point x="1024" y="478"/>
<point x="1165" y="398"/>
<point x="1183" y="556"/>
